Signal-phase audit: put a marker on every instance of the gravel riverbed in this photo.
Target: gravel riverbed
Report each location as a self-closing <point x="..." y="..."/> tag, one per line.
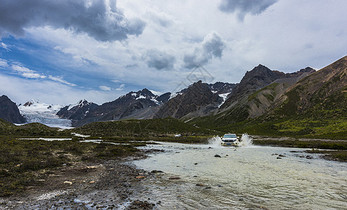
<point x="103" y="185"/>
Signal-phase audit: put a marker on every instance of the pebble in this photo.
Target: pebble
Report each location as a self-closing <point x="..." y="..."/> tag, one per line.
<point x="68" y="182"/>
<point x="174" y="178"/>
<point x="156" y="171"/>
<point x="309" y="157"/>
<point x="217" y="156"/>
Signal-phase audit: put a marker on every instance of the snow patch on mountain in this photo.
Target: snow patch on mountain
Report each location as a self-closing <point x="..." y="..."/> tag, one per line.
<point x="224" y="96"/>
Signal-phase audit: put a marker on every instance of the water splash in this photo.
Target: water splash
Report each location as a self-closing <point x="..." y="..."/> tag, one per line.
<point x="246" y="140"/>
<point x="215" y="141"/>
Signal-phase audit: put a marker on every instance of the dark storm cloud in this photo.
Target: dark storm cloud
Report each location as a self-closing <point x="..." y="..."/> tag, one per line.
<point x="212" y="47"/>
<point x="97" y="18"/>
<point x="243" y="7"/>
<point x="159" y="60"/>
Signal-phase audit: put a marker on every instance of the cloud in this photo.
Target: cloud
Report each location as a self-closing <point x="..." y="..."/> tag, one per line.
<point x="121" y="87"/>
<point x="3" y="63"/>
<point x="3" y="45"/>
<point x="161" y="19"/>
<point x="61" y="80"/>
<point x="27" y="73"/>
<point x="100" y="19"/>
<point x="211" y="47"/>
<point x="242" y="7"/>
<point x="159" y="60"/>
<point x="104" y="88"/>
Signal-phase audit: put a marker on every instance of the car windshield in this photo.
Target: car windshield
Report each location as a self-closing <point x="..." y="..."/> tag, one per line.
<point x="230" y="136"/>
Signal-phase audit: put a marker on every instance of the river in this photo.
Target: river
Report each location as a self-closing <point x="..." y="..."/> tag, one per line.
<point x="195" y="177"/>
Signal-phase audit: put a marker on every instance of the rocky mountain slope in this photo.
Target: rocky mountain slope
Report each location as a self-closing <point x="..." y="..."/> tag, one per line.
<point x="321" y="94"/>
<point x="257" y="92"/>
<point x="199" y="99"/>
<point x="307" y="103"/>
<point x="138" y="105"/>
<point x="77" y="111"/>
<point x="253" y="80"/>
<point x="254" y="96"/>
<point x="9" y="111"/>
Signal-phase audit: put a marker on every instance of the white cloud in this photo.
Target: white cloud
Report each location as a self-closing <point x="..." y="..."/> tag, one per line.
<point x="121" y="87"/>
<point x="3" y="63"/>
<point x="3" y="45"/>
<point x="61" y="80"/>
<point x="104" y="88"/>
<point x="33" y="75"/>
<point x="27" y="73"/>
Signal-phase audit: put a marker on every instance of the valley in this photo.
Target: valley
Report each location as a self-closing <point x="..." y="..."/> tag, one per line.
<point x="55" y="156"/>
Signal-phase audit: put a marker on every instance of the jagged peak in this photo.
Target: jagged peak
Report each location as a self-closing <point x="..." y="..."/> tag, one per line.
<point x="4" y="97"/>
<point x="83" y="102"/>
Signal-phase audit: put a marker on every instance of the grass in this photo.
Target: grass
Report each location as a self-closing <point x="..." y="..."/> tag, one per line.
<point x="31" y="129"/>
<point x="142" y="128"/>
<point x="24" y="162"/>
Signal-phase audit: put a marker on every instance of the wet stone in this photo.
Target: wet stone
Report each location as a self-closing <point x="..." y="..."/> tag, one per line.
<point x="174" y="178"/>
<point x="156" y="171"/>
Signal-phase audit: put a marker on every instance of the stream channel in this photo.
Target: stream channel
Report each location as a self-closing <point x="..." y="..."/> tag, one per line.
<point x="210" y="176"/>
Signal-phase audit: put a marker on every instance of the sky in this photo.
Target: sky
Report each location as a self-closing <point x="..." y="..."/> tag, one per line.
<point x="59" y="52"/>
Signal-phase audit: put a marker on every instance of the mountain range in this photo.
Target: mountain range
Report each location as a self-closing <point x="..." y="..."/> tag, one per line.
<point x="262" y="93"/>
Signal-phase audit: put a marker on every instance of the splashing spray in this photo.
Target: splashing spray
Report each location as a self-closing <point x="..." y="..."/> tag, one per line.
<point x="246" y="140"/>
<point x="215" y="141"/>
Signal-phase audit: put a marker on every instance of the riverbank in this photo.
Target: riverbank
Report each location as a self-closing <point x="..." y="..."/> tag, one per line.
<point x="37" y="174"/>
<point x="108" y="184"/>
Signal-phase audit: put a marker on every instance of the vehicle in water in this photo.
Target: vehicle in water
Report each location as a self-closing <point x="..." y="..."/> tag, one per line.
<point x="230" y="139"/>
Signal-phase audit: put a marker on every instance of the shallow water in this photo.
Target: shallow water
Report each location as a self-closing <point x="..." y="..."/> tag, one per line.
<point x="242" y="178"/>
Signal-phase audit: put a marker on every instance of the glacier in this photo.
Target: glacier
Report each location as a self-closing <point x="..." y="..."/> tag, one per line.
<point x="43" y="113"/>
